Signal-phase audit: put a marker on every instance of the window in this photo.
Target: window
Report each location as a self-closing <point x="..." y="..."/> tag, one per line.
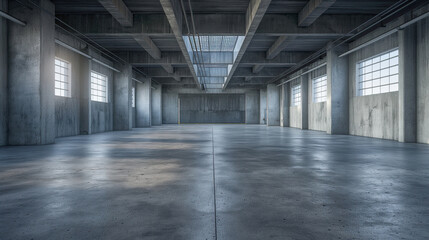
<point x="98" y="87"/>
<point x="133" y="97"/>
<point x="320" y="89"/>
<point x="62" y="78"/>
<point x="379" y="74"/>
<point x="296" y="94"/>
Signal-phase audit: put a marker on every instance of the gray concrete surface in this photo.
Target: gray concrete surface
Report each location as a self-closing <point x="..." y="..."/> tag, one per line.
<point x="284" y="105"/>
<point x="3" y="76"/>
<point x="375" y="115"/>
<point x="143" y="103"/>
<point x="305" y="79"/>
<point x="423" y="81"/>
<point x="122" y="98"/>
<point x="156" y="105"/>
<point x="252" y="107"/>
<point x="271" y="183"/>
<point x="31" y="76"/>
<point x="263" y="106"/>
<point x="273" y="105"/>
<point x="316" y="110"/>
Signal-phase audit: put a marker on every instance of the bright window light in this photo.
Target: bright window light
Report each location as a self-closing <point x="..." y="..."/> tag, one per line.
<point x="296" y="94"/>
<point x="99" y="87"/>
<point x="62" y="78"/>
<point x="378" y="74"/>
<point x="320" y="89"/>
<point x="133" y="97"/>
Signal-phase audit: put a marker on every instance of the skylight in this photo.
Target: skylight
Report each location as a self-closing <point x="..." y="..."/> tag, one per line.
<point x="213" y="57"/>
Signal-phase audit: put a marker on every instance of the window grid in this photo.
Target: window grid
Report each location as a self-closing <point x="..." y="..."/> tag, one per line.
<point x="62" y="78"/>
<point x="133" y="97"/>
<point x="98" y="87"/>
<point x="296" y="94"/>
<point x="320" y="89"/>
<point x="378" y="74"/>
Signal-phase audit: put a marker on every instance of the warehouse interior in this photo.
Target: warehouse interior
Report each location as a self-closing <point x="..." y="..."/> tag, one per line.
<point x="201" y="119"/>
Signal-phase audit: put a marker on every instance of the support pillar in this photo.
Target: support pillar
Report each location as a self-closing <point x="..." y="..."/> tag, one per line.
<point x="337" y="102"/>
<point x="263" y="106"/>
<point x="273" y="105"/>
<point x="252" y="107"/>
<point x="407" y="84"/>
<point x="31" y="75"/>
<point x="3" y="75"/>
<point x="157" y="106"/>
<point x="304" y="101"/>
<point x="284" y="105"/>
<point x="85" y="96"/>
<point x="143" y="103"/>
<point x="122" y="111"/>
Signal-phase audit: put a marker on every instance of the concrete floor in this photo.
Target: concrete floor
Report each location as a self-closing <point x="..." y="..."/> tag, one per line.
<point x="271" y="183"/>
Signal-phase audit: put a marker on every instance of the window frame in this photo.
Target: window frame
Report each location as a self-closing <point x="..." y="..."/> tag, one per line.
<point x="133" y="97"/>
<point x="324" y="93"/>
<point x="296" y="96"/>
<point x="98" y="90"/>
<point x="68" y="75"/>
<point x="392" y="86"/>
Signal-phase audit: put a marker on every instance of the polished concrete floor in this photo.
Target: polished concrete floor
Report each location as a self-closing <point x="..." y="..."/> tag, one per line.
<point x="215" y="182"/>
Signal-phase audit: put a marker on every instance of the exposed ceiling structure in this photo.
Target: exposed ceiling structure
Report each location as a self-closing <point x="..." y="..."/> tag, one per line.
<point x="216" y="44"/>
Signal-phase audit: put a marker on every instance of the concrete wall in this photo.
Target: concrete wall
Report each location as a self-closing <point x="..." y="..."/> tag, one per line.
<point x="212" y="108"/>
<point x="31" y="75"/>
<point x="423" y="81"/>
<point x="263" y="106"/>
<point x="157" y="105"/>
<point x="316" y="111"/>
<point x="122" y="115"/>
<point x="3" y="75"/>
<point x="273" y="105"/>
<point x="67" y="112"/>
<point x="374" y="115"/>
<point x="169" y="105"/>
<point x="252" y="107"/>
<point x="102" y="113"/>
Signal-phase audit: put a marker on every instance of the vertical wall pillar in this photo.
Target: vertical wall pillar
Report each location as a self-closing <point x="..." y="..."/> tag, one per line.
<point x="31" y="75"/>
<point x="304" y="101"/>
<point x="284" y="106"/>
<point x="122" y="111"/>
<point x="263" y="106"/>
<point x="85" y="95"/>
<point x="408" y="84"/>
<point x="338" y="92"/>
<point x="3" y="75"/>
<point x="252" y="107"/>
<point x="143" y="103"/>
<point x="157" y="105"/>
<point x="273" y="105"/>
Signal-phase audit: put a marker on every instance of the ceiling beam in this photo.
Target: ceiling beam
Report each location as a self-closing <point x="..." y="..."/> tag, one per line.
<point x="174" y="15"/>
<point x="313" y="10"/>
<point x="147" y="44"/>
<point x="257" y="68"/>
<point x="279" y="45"/>
<point x="119" y="11"/>
<point x="255" y="12"/>
<point x="168" y="68"/>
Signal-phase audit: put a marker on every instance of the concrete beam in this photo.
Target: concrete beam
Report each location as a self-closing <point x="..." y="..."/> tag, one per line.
<point x="257" y="68"/>
<point x="168" y="68"/>
<point x="407" y="84"/>
<point x="147" y="44"/>
<point x="174" y="16"/>
<point x="255" y="12"/>
<point x="119" y="11"/>
<point x="313" y="10"/>
<point x="279" y="45"/>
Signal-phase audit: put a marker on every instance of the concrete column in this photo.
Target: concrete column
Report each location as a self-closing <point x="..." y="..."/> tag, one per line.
<point x="3" y="75"/>
<point x="85" y="96"/>
<point x="273" y="105"/>
<point x="31" y="75"/>
<point x="337" y="102"/>
<point x="143" y="103"/>
<point x="304" y="101"/>
<point x="407" y="84"/>
<point x="122" y="111"/>
<point x="252" y="107"/>
<point x="157" y="106"/>
<point x="284" y="105"/>
<point x="263" y="106"/>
